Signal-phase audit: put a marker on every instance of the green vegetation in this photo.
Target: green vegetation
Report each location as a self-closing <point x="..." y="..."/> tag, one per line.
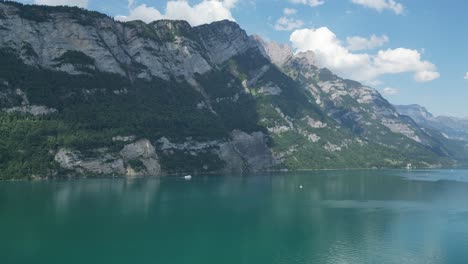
<point x="24" y="145"/>
<point x="41" y="13"/>
<point x="28" y="50"/>
<point x="160" y="31"/>
<point x="137" y="165"/>
<point x="90" y="113"/>
<point x="182" y="162"/>
<point x="74" y="57"/>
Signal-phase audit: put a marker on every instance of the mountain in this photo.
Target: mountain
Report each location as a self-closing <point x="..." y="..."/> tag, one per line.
<point x="451" y="127"/>
<point x="83" y="94"/>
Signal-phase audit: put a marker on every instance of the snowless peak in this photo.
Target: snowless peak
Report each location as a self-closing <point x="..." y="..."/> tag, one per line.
<point x="308" y="57"/>
<point x="278" y="53"/>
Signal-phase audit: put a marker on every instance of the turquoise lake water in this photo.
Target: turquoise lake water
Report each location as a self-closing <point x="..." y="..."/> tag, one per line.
<point x="337" y="217"/>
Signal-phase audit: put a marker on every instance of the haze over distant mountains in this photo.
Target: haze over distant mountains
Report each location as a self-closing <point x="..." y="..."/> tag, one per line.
<point x="452" y="127"/>
<point x="83" y="94"/>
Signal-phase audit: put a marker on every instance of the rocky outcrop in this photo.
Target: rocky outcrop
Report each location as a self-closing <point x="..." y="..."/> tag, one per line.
<point x="74" y="161"/>
<point x="135" y="159"/>
<point x="25" y="107"/>
<point x="246" y="152"/>
<point x="36" y="110"/>
<point x="144" y="152"/>
<point x="276" y="52"/>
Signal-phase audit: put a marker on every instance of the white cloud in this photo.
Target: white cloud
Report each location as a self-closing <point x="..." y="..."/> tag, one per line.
<point x="289" y="11"/>
<point x="330" y="53"/>
<point x="381" y="5"/>
<point x="405" y="60"/>
<point x="426" y="76"/>
<point x="206" y="11"/>
<point x="79" y="3"/>
<point x="364" y="67"/>
<point x="466" y="76"/>
<point x="142" y="12"/>
<point x="288" y="24"/>
<point x="312" y="3"/>
<point x="360" y="43"/>
<point x="391" y="91"/>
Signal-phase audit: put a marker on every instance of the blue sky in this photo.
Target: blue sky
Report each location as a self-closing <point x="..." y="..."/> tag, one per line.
<point x="419" y="52"/>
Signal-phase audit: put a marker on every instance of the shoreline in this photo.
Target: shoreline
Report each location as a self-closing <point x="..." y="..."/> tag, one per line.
<point x="174" y="175"/>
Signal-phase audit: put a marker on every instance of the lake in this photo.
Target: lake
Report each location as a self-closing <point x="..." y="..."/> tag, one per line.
<point x="338" y="217"/>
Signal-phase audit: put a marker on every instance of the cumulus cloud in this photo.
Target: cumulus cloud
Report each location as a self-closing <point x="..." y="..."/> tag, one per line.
<point x="426" y="76"/>
<point x="331" y="53"/>
<point x="405" y="60"/>
<point x="142" y="12"/>
<point x="288" y="24"/>
<point x="381" y="5"/>
<point x="359" y="43"/>
<point x="289" y="11"/>
<point x="78" y="3"/>
<point x="466" y="76"/>
<point x="391" y="91"/>
<point x="312" y="3"/>
<point x="206" y="11"/>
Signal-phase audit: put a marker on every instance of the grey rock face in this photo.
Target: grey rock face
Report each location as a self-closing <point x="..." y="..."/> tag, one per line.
<point x="306" y="58"/>
<point x="416" y="112"/>
<point x="107" y="163"/>
<point x="36" y="110"/>
<point x="223" y="41"/>
<point x="361" y="108"/>
<point x="164" y="49"/>
<point x="145" y="152"/>
<point x="276" y="52"/>
<point x="73" y="160"/>
<point x="246" y="152"/>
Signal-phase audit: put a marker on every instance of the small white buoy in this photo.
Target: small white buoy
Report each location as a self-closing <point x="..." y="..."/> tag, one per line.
<point x="188" y="177"/>
<point x="300" y="186"/>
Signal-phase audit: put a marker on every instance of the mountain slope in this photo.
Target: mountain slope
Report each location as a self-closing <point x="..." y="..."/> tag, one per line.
<point x="83" y="94"/>
<point x="451" y="132"/>
<point x="356" y="107"/>
<point x="452" y="127"/>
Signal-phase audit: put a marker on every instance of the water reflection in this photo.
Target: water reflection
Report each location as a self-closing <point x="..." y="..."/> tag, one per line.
<point x="128" y="196"/>
<point x="337" y="217"/>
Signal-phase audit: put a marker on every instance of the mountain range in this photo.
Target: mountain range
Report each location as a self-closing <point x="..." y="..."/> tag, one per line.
<point x="84" y="95"/>
<point x="451" y="127"/>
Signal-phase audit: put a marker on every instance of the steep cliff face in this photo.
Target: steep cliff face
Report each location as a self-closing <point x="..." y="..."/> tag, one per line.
<point x="81" y="93"/>
<point x="75" y="41"/>
<point x="106" y="79"/>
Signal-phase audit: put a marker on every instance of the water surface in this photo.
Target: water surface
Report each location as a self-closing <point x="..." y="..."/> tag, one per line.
<point x="337" y="217"/>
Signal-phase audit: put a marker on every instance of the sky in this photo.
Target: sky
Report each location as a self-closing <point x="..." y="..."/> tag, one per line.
<point x="412" y="51"/>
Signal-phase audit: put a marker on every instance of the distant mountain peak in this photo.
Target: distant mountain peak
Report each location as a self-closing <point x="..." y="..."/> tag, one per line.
<point x="308" y="57"/>
<point x="415" y="111"/>
<point x="278" y="53"/>
<point x="451" y="127"/>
